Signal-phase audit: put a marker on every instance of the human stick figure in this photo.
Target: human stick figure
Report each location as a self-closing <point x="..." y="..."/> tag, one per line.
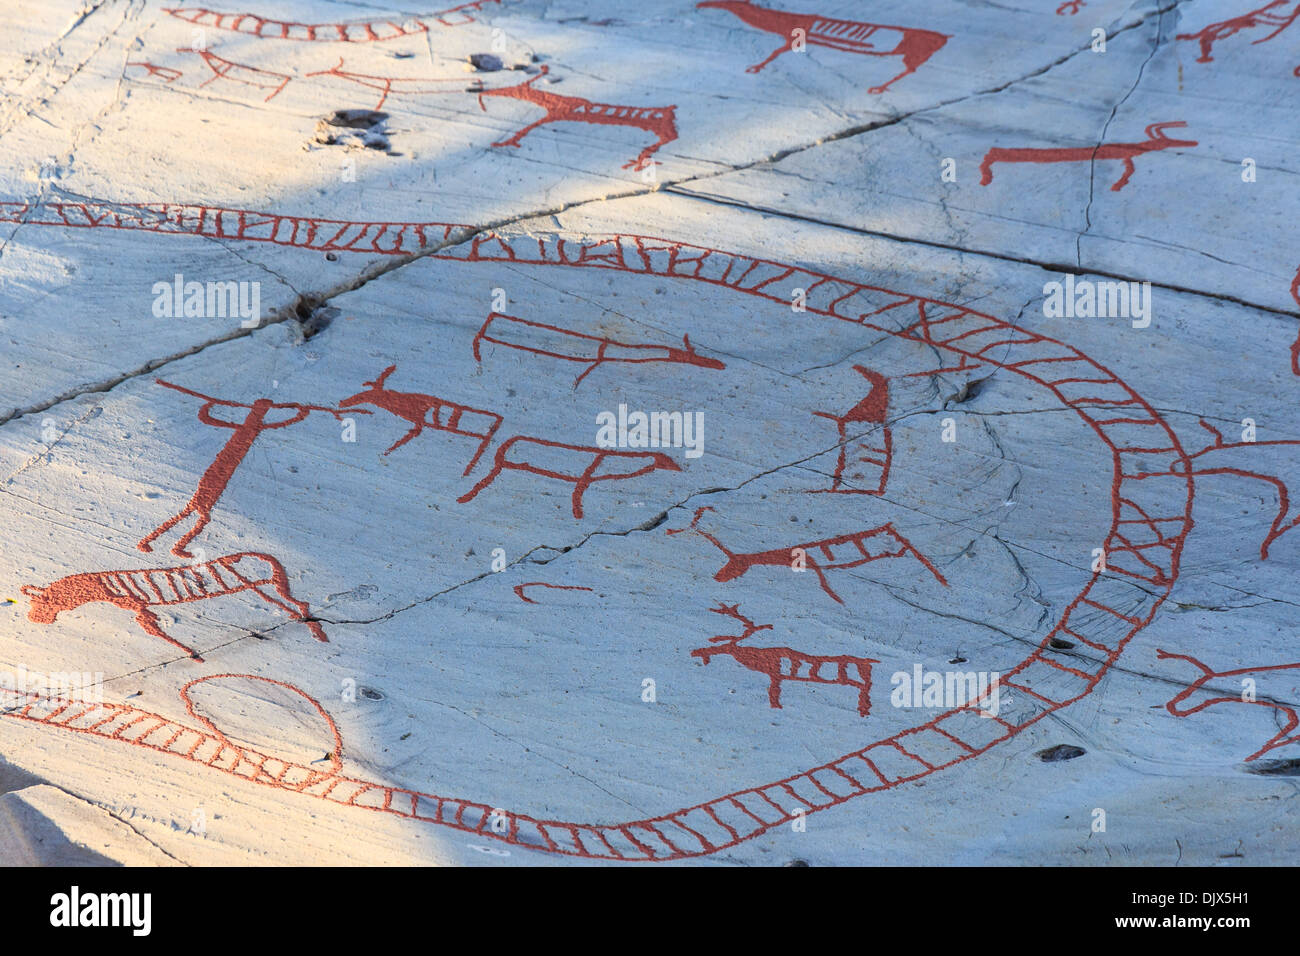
<point x="222" y="469"/>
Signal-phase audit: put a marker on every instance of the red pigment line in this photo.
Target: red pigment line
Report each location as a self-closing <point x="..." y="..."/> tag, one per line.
<point x="601" y="837"/>
<point x="167" y="73"/>
<point x="630" y="249"/>
<point x="851" y="781"/>
<point x="218" y="475"/>
<point x="415" y="408"/>
<point x="389" y="85"/>
<point x="739" y="564"/>
<point x="1295" y="294"/>
<point x="1042" y="656"/>
<point x="1211" y="34"/>
<point x="899" y="747"/>
<point x="1045" y="361"/>
<point x="870" y="410"/>
<point x="73" y="591"/>
<point x="590" y="350"/>
<point x="1032" y="693"/>
<point x="582" y="474"/>
<point x="1111" y="610"/>
<point x="780" y="664"/>
<point x="519" y="589"/>
<point x="746" y="811"/>
<point x="1125" y="152"/>
<point x="374" y="31"/>
<point x="848" y="36"/>
<point x="959" y="742"/>
<point x="885" y="781"/>
<point x="223" y="69"/>
<point x="708" y="808"/>
<point x="200" y="221"/>
<point x="1281" y="738"/>
<point x="658" y="120"/>
<point x="626" y="830"/>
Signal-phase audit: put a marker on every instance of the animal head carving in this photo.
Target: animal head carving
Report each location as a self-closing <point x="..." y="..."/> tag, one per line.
<point x="43" y="610"/>
<point x="688" y="355"/>
<point x="373" y="389"/>
<point x="1156" y="131"/>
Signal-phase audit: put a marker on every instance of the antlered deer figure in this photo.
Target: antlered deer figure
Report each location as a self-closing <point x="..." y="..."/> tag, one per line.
<point x="1126" y="152"/>
<point x="140" y="590"/>
<point x="781" y="664"/>
<point x="659" y="120"/>
<point x="851" y="36"/>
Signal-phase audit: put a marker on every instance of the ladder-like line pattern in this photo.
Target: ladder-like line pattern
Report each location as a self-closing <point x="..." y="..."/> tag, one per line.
<point x="1104" y="403"/>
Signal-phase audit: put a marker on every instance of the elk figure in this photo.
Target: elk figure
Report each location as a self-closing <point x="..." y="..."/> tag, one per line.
<point x="1220" y="457"/>
<point x="870" y="410"/>
<point x="1125" y="152"/>
<point x="781" y="664"/>
<point x="428" y="411"/>
<point x="659" y="120"/>
<point x="579" y="465"/>
<point x="842" y="552"/>
<point x="851" y="36"/>
<point x="1284" y="736"/>
<point x="593" y="351"/>
<point x="1226" y="28"/>
<point x="142" y="589"/>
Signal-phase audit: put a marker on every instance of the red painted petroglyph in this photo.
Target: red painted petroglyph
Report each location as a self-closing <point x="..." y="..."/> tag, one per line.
<point x="587" y="462"/>
<point x="851" y="36"/>
<point x="965" y="365"/>
<point x="1153" y="511"/>
<point x="1226" y="28"/>
<point x="428" y="411"/>
<point x="223" y="69"/>
<point x="324" y="235"/>
<point x="1295" y="346"/>
<point x="333" y="758"/>
<point x="214" y="480"/>
<point x="390" y="85"/>
<point x="840" y="553"/>
<point x="1125" y="152"/>
<point x="373" y="31"/>
<point x="520" y="588"/>
<point x="657" y="120"/>
<point x="780" y="664"/>
<point x="871" y="410"/>
<point x="591" y="350"/>
<point x="167" y="73"/>
<point x="1280" y="739"/>
<point x="144" y="588"/>
<point x="1197" y="467"/>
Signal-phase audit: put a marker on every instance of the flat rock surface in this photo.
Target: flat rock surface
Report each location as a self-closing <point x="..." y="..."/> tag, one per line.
<point x="593" y="432"/>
